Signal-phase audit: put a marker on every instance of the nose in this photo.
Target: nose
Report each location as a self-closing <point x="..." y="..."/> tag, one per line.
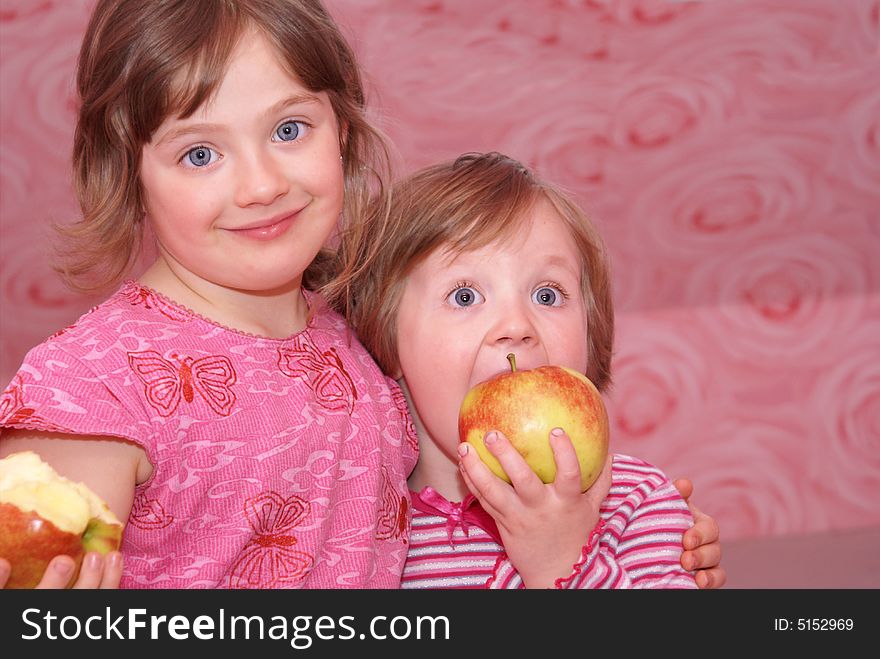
<point x="260" y="180"/>
<point x="513" y="326"/>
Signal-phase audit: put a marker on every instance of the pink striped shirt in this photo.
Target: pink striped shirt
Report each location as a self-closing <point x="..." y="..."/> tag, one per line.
<point x="636" y="544"/>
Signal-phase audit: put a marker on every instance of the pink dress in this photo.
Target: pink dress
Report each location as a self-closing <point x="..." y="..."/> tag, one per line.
<point x="277" y="463"/>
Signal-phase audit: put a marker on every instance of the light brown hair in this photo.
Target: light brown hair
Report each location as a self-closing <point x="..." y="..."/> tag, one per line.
<point x="460" y="205"/>
<point x="142" y="61"/>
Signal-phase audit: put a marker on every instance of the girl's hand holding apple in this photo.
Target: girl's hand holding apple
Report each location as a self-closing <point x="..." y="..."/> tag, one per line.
<point x="50" y="526"/>
<point x="96" y="571"/>
<point x="543" y="526"/>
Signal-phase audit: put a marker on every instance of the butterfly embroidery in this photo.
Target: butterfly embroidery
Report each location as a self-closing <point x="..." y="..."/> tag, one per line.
<point x="13" y="411"/>
<point x="165" y="382"/>
<point x="269" y="558"/>
<point x="410" y="433"/>
<point x="324" y="372"/>
<point x="148" y="514"/>
<point x="393" y="519"/>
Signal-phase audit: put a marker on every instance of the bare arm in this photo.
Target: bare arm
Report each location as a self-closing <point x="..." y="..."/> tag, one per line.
<point x="110" y="467"/>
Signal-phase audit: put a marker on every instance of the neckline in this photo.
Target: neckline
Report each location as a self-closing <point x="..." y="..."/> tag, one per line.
<point x="464" y="503"/>
<point x="312" y="314"/>
<point x="465" y="514"/>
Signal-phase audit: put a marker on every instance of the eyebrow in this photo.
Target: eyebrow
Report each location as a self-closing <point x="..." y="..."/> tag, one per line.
<point x="559" y="261"/>
<point x="189" y="129"/>
<point x="553" y="260"/>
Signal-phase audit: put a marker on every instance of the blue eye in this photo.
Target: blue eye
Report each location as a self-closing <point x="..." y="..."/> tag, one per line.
<point x="548" y="296"/>
<point x="464" y="296"/>
<point x="200" y="156"/>
<point x="288" y="131"/>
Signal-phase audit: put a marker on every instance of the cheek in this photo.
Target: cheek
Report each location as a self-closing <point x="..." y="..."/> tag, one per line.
<point x="567" y="345"/>
<point x="325" y="176"/>
<point x="165" y="196"/>
<point x="435" y="378"/>
<point x="420" y="361"/>
<point x="184" y="205"/>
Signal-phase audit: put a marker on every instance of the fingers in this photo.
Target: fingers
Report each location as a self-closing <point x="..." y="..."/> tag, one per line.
<point x="470" y="463"/>
<point x="99" y="571"/>
<point x="522" y="478"/>
<point x="705" y="531"/>
<point x="112" y="571"/>
<point x="484" y="502"/>
<point x="685" y="488"/>
<point x="90" y="572"/>
<point x="710" y="579"/>
<point x="96" y="571"/>
<point x="490" y="489"/>
<point x="483" y="484"/>
<point x="705" y="556"/>
<point x="600" y="488"/>
<point x="58" y="573"/>
<point x="568" y="469"/>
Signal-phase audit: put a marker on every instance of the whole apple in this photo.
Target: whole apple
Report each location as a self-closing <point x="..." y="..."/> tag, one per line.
<point x="43" y="515"/>
<point x="525" y="405"/>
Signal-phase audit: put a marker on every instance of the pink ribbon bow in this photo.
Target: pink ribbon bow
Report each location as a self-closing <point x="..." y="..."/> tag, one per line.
<point x="465" y="514"/>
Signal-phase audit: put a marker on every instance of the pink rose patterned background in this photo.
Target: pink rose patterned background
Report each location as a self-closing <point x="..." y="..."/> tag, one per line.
<point x="730" y="153"/>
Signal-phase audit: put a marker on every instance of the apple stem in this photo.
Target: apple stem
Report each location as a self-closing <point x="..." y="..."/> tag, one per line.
<point x="512" y="359"/>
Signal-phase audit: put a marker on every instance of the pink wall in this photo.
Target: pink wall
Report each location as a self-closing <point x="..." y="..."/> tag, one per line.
<point x="730" y="151"/>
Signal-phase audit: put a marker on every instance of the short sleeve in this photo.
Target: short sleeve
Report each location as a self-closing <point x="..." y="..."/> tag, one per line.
<point x="55" y="391"/>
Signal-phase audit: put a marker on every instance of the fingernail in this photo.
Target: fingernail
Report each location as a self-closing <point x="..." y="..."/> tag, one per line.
<point x="557" y="432"/>
<point x="114" y="559"/>
<point x="463" y="449"/>
<point x="62" y="567"/>
<point x="491" y="437"/>
<point x="95" y="559"/>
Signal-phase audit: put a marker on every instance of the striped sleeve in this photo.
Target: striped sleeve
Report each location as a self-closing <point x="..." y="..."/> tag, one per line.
<point x="638" y="541"/>
<point x="645" y="519"/>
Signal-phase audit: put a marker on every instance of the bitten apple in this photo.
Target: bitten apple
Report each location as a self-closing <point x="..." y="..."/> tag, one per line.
<point x="525" y="406"/>
<point x="43" y="515"/>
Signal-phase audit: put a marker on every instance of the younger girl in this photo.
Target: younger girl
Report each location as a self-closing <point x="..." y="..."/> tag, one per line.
<point x="481" y="259"/>
<point x="215" y="403"/>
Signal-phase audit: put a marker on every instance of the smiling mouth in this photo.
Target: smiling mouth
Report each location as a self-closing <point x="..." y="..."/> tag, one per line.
<point x="271" y="229"/>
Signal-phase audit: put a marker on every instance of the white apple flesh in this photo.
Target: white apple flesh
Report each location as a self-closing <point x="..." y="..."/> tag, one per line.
<point x="43" y="515"/>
